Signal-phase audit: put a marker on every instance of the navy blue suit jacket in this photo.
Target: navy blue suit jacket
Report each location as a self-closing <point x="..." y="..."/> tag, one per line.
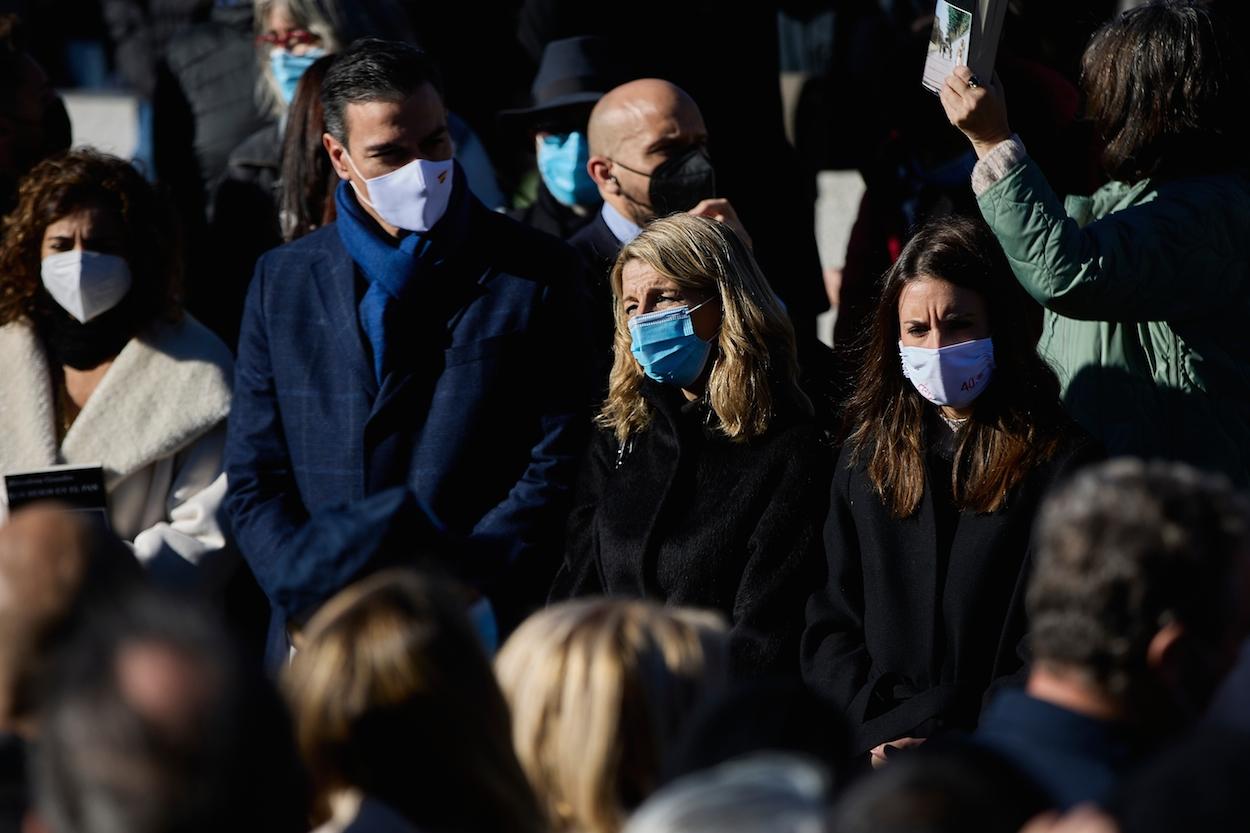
<point x="473" y="435"/>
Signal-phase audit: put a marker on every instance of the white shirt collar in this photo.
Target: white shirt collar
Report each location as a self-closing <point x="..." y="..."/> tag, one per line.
<point x="622" y="228"/>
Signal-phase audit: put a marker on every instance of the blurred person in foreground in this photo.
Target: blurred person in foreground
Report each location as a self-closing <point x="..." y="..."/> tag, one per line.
<point x="940" y="789"/>
<point x="399" y="718"/>
<point x="956" y="434"/>
<point x="599" y="691"/>
<point x="55" y="568"/>
<point x="1138" y="604"/>
<point x="153" y="725"/>
<point x="762" y="793"/>
<point x="1199" y="783"/>
<point x="100" y="365"/>
<point x="1145" y="283"/>
<point x="707" y="480"/>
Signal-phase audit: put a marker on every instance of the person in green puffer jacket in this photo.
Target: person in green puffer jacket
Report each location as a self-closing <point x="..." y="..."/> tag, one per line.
<point x="1146" y="284"/>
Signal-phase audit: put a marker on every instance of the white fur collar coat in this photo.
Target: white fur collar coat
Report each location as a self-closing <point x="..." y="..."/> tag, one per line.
<point x="156" y="423"/>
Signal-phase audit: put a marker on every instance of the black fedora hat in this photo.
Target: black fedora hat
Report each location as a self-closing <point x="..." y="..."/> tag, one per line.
<point x="573" y="75"/>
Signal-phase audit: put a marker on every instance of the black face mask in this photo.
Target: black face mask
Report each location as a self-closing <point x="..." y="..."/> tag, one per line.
<point x="84" y="346"/>
<point x="680" y="182"/>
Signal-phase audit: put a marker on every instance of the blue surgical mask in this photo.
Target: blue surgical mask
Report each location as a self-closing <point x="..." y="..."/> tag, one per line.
<point x="665" y="345"/>
<point x="562" y="164"/>
<point x="288" y="69"/>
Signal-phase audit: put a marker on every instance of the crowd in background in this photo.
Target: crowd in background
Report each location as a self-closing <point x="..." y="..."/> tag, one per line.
<point x="477" y="455"/>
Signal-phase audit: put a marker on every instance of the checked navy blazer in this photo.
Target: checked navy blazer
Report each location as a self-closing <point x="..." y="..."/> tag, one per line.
<point x="473" y="434"/>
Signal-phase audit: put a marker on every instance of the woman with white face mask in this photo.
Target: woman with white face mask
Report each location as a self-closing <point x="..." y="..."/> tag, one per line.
<point x="100" y="367"/>
<point x="956" y="432"/>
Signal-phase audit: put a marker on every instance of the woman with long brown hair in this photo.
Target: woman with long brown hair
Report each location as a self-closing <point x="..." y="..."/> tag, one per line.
<point x="956" y="431"/>
<point x="306" y="188"/>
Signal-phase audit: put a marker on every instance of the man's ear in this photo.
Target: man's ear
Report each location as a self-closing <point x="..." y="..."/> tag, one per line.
<point x="600" y="170"/>
<point x="335" y="150"/>
<point x="1163" y="652"/>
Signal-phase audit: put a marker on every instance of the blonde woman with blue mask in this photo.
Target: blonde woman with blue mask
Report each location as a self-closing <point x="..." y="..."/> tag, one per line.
<point x="707" y="481"/>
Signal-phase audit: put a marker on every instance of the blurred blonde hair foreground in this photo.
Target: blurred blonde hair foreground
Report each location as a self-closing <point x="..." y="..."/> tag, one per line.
<point x="599" y="689"/>
<point x="393" y="697"/>
<point x="754" y="357"/>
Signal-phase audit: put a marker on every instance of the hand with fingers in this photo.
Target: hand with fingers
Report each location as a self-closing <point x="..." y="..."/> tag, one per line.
<point x="720" y="210"/>
<point x="880" y="754"/>
<point x="978" y="109"/>
<point x="1082" y="819"/>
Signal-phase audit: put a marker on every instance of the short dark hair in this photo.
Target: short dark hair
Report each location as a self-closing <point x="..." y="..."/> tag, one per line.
<point x="1124" y="547"/>
<point x="373" y="70"/>
<point x="108" y="763"/>
<point x="1166" y="86"/>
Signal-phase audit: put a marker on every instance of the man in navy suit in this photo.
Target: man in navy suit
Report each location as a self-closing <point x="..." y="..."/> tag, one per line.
<point x="411" y="374"/>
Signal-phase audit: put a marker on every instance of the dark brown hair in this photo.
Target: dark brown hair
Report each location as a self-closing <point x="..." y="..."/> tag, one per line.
<point x="1016" y="424"/>
<point x="75" y="181"/>
<point x="1124" y="547"/>
<point x="1166" y="88"/>
<point x="306" y="201"/>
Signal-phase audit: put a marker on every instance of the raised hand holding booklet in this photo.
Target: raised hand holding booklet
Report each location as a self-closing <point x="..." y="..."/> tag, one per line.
<point x="965" y="33"/>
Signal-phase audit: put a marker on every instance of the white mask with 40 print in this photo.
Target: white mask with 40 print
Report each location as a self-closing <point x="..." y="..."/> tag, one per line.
<point x="954" y="375"/>
<point x="413" y="197"/>
<point x="86" y="284"/>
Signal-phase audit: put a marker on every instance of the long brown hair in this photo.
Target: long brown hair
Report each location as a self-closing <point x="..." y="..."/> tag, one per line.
<point x="1016" y="424"/>
<point x="306" y="199"/>
<point x="754" y="362"/>
<point x="80" y="180"/>
<point x="1166" y="88"/>
<point x="393" y="695"/>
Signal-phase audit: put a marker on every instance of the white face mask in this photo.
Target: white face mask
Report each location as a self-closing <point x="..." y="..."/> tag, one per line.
<point x="86" y="284"/>
<point x="413" y="197"/>
<point x="953" y="375"/>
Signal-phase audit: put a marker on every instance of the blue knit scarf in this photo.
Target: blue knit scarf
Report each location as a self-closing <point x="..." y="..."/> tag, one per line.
<point x="392" y="267"/>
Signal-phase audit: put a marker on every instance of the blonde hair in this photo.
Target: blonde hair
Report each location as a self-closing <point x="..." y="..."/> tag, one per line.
<point x="598" y="691"/>
<point x="393" y="695"/>
<point x="754" y="359"/>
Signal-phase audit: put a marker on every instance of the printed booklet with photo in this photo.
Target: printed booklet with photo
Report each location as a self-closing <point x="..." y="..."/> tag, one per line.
<point x="965" y="33"/>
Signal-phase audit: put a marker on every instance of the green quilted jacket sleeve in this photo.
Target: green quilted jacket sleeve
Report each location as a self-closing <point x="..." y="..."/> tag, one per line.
<point x="1131" y="253"/>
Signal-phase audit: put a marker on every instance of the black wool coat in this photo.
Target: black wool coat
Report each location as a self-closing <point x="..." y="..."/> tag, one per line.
<point x="687" y="517"/>
<point x="919" y="616"/>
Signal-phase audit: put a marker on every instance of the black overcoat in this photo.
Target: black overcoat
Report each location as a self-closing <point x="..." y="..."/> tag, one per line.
<point x="920" y="615"/>
<point x="687" y="517"/>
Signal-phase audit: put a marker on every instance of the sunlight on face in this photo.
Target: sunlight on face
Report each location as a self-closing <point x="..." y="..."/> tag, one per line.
<point x="935" y="313"/>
